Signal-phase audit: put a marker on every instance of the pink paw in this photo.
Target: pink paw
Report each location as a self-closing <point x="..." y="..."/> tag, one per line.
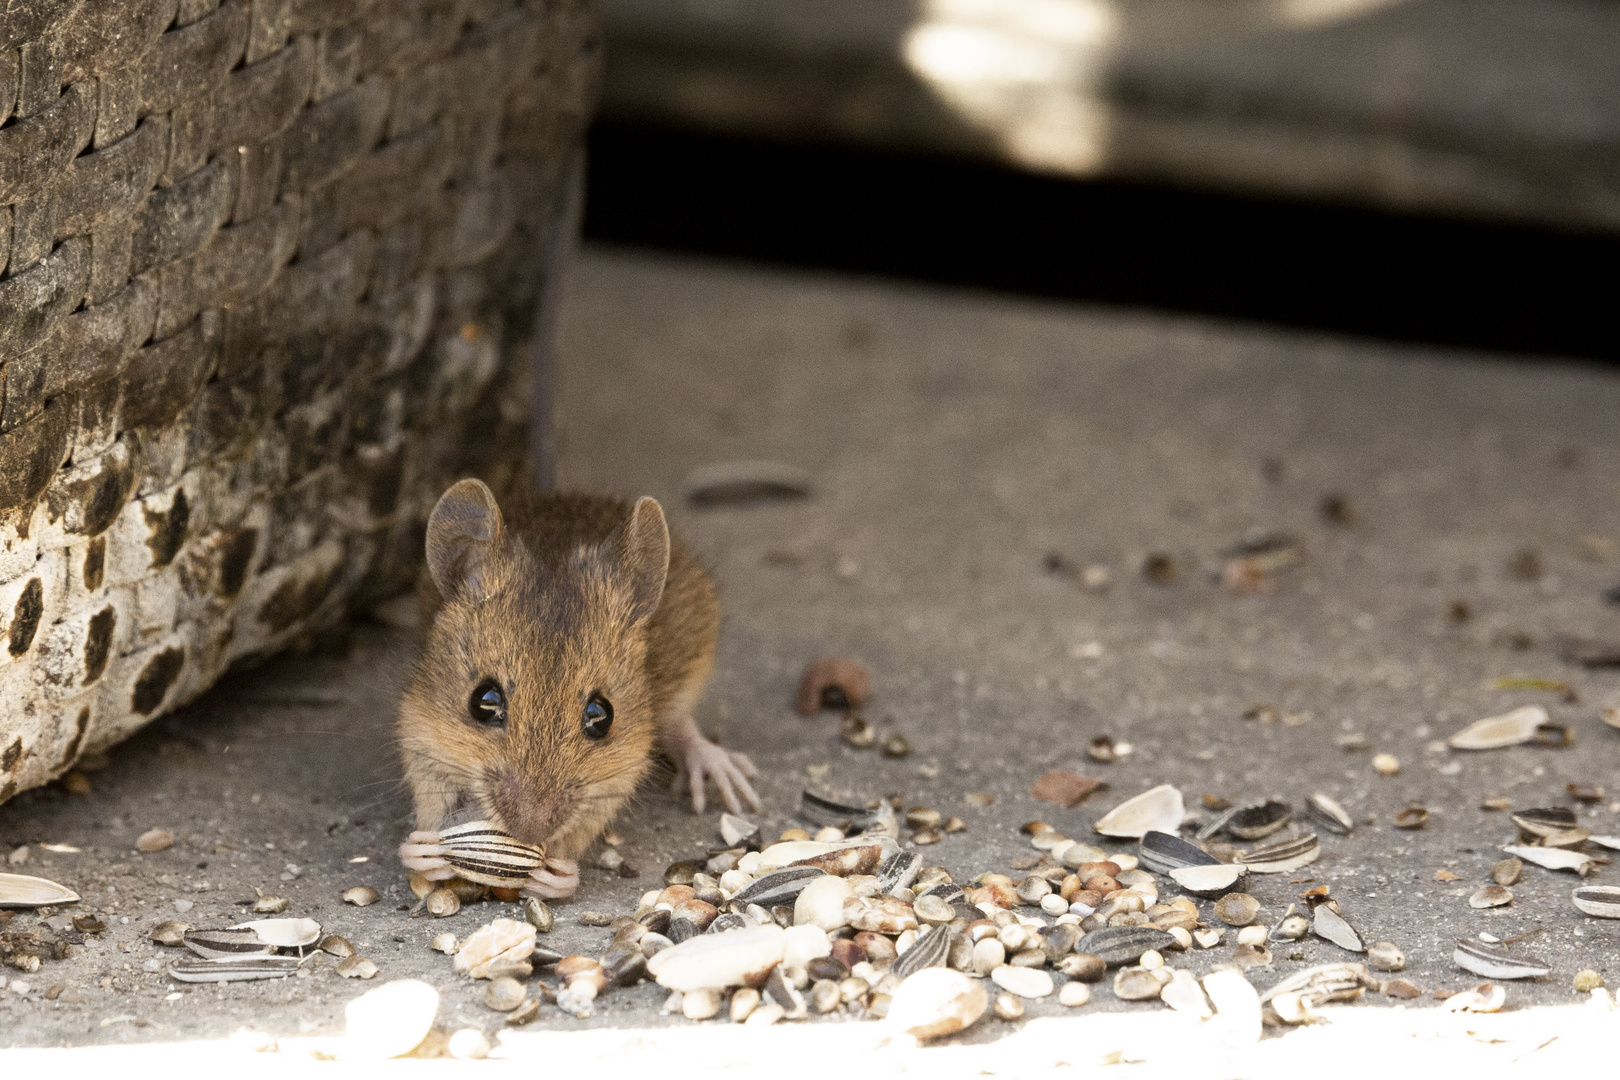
<point x="555" y="880"/>
<point x="729" y="770"/>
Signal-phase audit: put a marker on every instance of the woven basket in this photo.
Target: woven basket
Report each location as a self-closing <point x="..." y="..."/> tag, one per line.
<point x="270" y="274"/>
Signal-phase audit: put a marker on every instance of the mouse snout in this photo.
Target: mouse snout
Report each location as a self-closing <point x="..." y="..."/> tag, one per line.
<point x="532" y="816"/>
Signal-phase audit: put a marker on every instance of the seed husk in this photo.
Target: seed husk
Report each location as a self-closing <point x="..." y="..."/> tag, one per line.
<point x="361" y="896"/>
<point x="1331" y="926"/>
<point x="1325" y="809"/>
<point x="442" y="903"/>
<point x="832" y="682"/>
<point x="1553" y="858"/>
<point x="1491" y="896"/>
<point x="284" y="933"/>
<point x="857" y="731"/>
<point x="333" y="945"/>
<point x="1545" y="821"/>
<point x="1158" y="809"/>
<point x="356" y="967"/>
<point x="1258" y="820"/>
<point x="1587" y="793"/>
<point x="922" y="817"/>
<point x="1214" y="880"/>
<point x="226" y="944"/>
<point x="852" y="819"/>
<point x="1163" y="852"/>
<point x="1283" y="856"/>
<point x="895" y="745"/>
<point x="171" y="933"/>
<point x="1237" y="909"/>
<point x="1495" y="962"/>
<point x="1507" y="872"/>
<point x="1065" y="788"/>
<point x="929" y="835"/>
<point x="1493" y="732"/>
<point x="1102" y="749"/>
<point x="1411" y="817"/>
<point x="271" y="905"/>
<point x="1386" y="764"/>
<point x="1116" y="945"/>
<point x="233" y="970"/>
<point x="1599" y="901"/>
<point x="1292" y="928"/>
<point x="955" y="825"/>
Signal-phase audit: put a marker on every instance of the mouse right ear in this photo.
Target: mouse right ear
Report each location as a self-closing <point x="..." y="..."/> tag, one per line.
<point x="463" y="533"/>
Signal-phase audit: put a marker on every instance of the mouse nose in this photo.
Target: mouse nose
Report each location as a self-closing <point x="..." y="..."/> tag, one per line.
<point x="531" y="817"/>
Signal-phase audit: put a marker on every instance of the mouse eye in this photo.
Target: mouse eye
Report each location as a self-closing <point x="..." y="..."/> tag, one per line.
<point x="487" y="706"/>
<point x="598" y="717"/>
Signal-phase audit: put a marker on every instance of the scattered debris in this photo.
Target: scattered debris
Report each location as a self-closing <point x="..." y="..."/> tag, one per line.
<point x="1411" y="817"/>
<point x="1065" y="788"/>
<point x="1553" y="858"/>
<point x="745" y="483"/>
<point x="832" y="682"/>
<point x="361" y="896"/>
<point x="1386" y="764"/>
<point x="154" y="840"/>
<point x="1325" y="809"/>
<point x="1494" y="732"/>
<point x="1160" y="568"/>
<point x="1157" y="809"/>
<point x="22" y="891"/>
<point x="1490" y="896"/>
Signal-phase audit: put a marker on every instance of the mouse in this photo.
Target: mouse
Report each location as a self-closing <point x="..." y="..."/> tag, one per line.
<point x="566" y="639"/>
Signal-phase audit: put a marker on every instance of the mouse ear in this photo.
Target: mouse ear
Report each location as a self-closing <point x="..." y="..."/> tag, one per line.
<point x="644" y="554"/>
<point x="462" y="534"/>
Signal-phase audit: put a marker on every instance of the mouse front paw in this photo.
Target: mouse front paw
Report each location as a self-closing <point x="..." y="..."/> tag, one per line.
<point x="555" y="879"/>
<point x="701" y="761"/>
<point x="424" y="853"/>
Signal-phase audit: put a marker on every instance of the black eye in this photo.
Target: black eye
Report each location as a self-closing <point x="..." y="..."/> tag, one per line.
<point x="487" y="706"/>
<point x="598" y="717"/>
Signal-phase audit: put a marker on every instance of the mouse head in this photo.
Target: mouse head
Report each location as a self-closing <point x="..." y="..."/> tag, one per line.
<point x="530" y="706"/>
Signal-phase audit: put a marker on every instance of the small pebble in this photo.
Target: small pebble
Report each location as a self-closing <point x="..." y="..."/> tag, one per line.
<point x="154" y="840"/>
<point x="1008" y="1007"/>
<point x="743" y="1004"/>
<point x="361" y="896"/>
<point x="1074" y="994"/>
<point x="504" y="994"/>
<point x="1384" y="956"/>
<point x="468" y="1044"/>
<point x="1252" y="935"/>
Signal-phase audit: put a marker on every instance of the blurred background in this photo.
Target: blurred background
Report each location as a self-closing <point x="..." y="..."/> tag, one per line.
<point x="1445" y="171"/>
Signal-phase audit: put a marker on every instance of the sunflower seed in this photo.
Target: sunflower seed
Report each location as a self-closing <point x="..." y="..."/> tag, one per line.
<point x="1507" y="872"/>
<point x="1283" y="856"/>
<point x="930" y="949"/>
<point x="1330" y="926"/>
<point x="1327" y="810"/>
<point x="1544" y="821"/>
<point x="1117" y="945"/>
<point x="1600" y="901"/>
<point x="899" y="872"/>
<point x="948" y="891"/>
<point x="779" y="886"/>
<point x="1509" y="729"/>
<point x="23" y="891"/>
<point x="1326" y="982"/>
<point x="1258" y="820"/>
<point x="1553" y="858"/>
<point x="233" y="970"/>
<point x="1157" y="809"/>
<point x="226" y="944"/>
<point x="480" y="852"/>
<point x="1213" y="880"/>
<point x="1495" y="962"/>
<point x="1163" y="852"/>
<point x="1411" y="817"/>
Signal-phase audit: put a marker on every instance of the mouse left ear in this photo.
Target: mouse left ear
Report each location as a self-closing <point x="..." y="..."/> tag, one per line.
<point x="463" y="533"/>
<point x="644" y="554"/>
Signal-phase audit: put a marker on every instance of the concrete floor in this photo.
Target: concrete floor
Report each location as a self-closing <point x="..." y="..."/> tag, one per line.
<point x="956" y="439"/>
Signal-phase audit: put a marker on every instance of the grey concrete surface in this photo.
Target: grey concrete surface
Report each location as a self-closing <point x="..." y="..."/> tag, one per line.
<point x="1497" y="109"/>
<point x="955" y="439"/>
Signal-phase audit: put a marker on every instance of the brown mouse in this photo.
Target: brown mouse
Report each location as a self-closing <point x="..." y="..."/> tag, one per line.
<point x="565" y="639"/>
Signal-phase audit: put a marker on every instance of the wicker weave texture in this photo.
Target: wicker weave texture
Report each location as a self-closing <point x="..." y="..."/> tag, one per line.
<point x="269" y="273"/>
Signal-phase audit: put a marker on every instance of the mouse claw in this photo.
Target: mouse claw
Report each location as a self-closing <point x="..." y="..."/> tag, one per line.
<point x="556" y="879"/>
<point x="728" y="769"/>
